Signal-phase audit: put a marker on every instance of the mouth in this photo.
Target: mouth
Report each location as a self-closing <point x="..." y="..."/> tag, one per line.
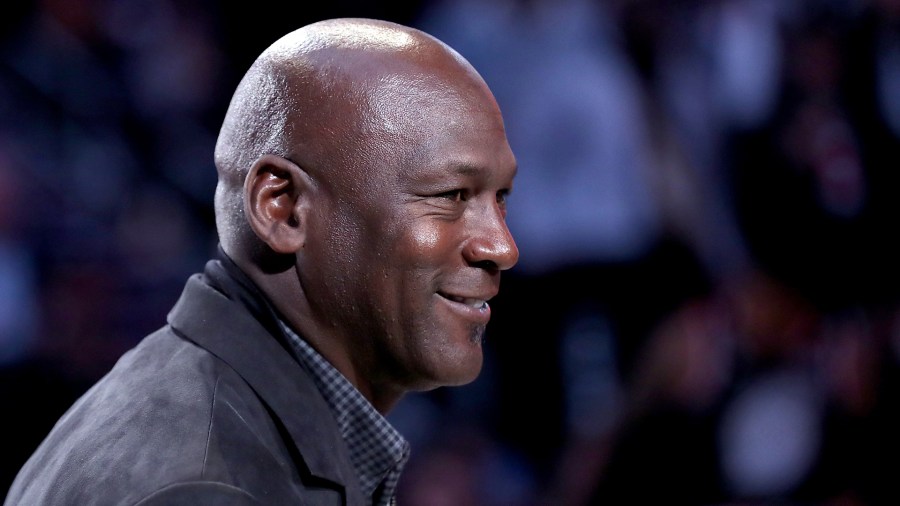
<point x="472" y="302"/>
<point x="471" y="307"/>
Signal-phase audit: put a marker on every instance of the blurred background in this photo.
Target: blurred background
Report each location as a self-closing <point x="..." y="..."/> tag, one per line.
<point x="707" y="306"/>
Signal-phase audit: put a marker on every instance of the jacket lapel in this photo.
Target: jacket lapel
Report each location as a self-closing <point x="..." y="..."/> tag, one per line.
<point x="225" y="328"/>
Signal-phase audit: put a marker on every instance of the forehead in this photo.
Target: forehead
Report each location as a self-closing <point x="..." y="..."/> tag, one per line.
<point x="387" y="114"/>
<point x="432" y="121"/>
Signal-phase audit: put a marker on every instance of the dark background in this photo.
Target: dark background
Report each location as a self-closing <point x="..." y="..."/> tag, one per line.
<point x="705" y="310"/>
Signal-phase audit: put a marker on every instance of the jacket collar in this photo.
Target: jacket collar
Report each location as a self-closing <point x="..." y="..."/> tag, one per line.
<point x="223" y="312"/>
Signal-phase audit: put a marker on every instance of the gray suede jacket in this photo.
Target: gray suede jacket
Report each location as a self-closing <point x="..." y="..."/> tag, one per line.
<point x="210" y="409"/>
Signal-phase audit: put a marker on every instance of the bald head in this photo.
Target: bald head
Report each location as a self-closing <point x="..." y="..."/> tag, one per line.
<point x="363" y="173"/>
<point x="333" y="97"/>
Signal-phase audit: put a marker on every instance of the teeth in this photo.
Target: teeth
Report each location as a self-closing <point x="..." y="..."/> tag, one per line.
<point x="475" y="303"/>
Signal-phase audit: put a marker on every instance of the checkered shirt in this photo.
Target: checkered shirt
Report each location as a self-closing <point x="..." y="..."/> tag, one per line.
<point x="378" y="452"/>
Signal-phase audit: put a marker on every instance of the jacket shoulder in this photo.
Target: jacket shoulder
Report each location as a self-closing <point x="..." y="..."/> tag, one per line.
<point x="148" y="423"/>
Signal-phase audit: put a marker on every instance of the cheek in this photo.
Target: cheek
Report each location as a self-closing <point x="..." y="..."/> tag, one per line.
<point x="426" y="243"/>
<point x="425" y="238"/>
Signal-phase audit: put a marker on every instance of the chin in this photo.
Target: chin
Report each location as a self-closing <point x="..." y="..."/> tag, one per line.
<point x="461" y="369"/>
<point x="448" y="371"/>
<point x="449" y="355"/>
<point x="466" y="378"/>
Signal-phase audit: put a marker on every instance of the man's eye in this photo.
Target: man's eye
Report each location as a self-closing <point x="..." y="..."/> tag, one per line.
<point x="502" y="198"/>
<point x="452" y="195"/>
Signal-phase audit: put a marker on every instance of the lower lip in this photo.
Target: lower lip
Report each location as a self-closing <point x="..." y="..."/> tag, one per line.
<point x="477" y="315"/>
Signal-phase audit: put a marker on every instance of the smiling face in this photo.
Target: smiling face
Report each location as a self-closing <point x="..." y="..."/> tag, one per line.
<point x="406" y="247"/>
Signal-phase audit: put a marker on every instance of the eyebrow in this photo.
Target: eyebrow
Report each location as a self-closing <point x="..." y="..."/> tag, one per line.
<point x="466" y="169"/>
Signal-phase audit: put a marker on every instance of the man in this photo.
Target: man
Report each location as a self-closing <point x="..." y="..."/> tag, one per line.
<point x="363" y="171"/>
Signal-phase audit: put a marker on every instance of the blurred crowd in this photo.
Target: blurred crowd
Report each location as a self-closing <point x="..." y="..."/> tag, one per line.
<point x="707" y="305"/>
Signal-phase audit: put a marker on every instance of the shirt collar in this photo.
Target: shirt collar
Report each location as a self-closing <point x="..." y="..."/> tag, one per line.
<point x="377" y="451"/>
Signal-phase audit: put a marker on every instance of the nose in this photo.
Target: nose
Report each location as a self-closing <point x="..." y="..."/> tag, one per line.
<point x="491" y="245"/>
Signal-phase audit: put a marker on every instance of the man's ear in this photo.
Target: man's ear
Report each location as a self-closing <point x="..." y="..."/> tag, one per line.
<point x="276" y="202"/>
